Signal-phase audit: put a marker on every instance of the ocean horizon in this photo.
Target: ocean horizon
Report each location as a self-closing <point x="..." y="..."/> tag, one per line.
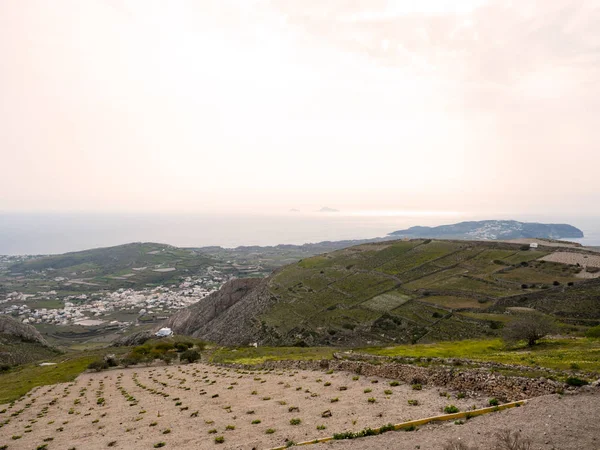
<point x="52" y="233"/>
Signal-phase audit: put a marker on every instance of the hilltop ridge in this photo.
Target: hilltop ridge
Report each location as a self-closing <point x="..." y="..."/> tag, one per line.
<point x="493" y="230"/>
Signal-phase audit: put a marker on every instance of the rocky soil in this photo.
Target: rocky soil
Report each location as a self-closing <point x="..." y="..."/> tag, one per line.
<point x="188" y="406"/>
<point x="551" y="422"/>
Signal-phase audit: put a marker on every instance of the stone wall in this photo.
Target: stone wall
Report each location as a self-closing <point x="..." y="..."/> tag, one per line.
<point x="469" y="381"/>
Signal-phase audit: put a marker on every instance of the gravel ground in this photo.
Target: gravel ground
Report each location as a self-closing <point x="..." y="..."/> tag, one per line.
<point x="552" y="422"/>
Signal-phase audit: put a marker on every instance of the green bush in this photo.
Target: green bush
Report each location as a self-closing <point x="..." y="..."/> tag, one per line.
<point x="190" y="356"/>
<point x="183" y="346"/>
<point x="574" y="381"/>
<point x="451" y="409"/>
<point x="593" y="332"/>
<point x="168" y="357"/>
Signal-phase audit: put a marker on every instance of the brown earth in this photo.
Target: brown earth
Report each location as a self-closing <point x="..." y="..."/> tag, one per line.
<point x="140" y="404"/>
<point x="551" y="422"/>
<point x="71" y="415"/>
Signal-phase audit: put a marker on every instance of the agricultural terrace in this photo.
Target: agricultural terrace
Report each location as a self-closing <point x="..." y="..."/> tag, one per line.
<point x="203" y="406"/>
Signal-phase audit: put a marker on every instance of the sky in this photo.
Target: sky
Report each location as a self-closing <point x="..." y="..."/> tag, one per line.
<point x="267" y="105"/>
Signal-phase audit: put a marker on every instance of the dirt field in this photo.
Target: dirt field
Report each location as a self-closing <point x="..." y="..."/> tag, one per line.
<point x="573" y="258"/>
<point x="133" y="408"/>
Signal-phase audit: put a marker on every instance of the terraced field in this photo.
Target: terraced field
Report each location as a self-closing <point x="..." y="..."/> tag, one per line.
<point x="202" y="406"/>
<point x="411" y="291"/>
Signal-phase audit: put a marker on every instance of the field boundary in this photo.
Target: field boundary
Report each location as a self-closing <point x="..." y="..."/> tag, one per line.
<point x="419" y="422"/>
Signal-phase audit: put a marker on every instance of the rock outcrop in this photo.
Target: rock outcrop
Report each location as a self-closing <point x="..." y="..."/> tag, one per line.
<point x="229" y="316"/>
<point x="22" y="331"/>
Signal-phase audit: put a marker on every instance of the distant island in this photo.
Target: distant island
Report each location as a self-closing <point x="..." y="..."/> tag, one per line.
<point x="492" y="230"/>
<point x="328" y="209"/>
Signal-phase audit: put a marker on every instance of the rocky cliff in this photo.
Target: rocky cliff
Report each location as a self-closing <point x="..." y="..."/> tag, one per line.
<point x="229" y="316"/>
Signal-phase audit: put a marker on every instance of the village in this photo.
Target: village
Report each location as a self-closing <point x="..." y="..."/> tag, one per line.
<point x="100" y="307"/>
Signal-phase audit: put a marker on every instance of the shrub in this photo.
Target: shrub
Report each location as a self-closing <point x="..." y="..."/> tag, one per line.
<point x="494" y="402"/>
<point x="295" y="421"/>
<point x="394" y="383"/>
<point x="574" y="381"/>
<point x="255" y="422"/>
<point x="413" y="402"/>
<point x="159" y="444"/>
<point x="191" y="356"/>
<point x="219" y="440"/>
<point x="450" y="409"/>
<point x="417" y="387"/>
<point x="321" y="427"/>
<point x="512" y="441"/>
<point x="388" y="392"/>
<point x="269" y="431"/>
<point x="98" y="365"/>
<point x="371" y="400"/>
<point x="167" y="357"/>
<point x="182" y="346"/>
<point x="593" y="332"/>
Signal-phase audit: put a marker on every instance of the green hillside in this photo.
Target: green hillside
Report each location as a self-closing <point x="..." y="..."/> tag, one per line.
<point x="130" y="265"/>
<point x="421" y="291"/>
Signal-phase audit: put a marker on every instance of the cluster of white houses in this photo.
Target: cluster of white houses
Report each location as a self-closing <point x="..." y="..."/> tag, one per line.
<point x="91" y="309"/>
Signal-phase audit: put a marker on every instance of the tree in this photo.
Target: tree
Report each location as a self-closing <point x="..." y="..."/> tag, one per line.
<point x="530" y="327"/>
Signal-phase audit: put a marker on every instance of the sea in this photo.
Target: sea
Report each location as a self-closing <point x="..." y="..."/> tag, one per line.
<point x="53" y="233"/>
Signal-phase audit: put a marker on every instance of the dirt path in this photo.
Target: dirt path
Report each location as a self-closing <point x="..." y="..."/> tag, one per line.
<point x="552" y="423"/>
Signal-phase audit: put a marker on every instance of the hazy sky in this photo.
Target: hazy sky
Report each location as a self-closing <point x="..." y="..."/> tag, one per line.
<point x="269" y="105"/>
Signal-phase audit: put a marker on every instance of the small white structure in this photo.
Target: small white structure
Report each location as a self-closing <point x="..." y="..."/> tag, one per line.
<point x="533" y="245"/>
<point x="164" y="332"/>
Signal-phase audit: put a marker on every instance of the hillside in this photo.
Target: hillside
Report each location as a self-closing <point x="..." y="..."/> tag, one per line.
<point x="21" y="343"/>
<point x="129" y="265"/>
<point x="396" y="291"/>
<point x="493" y="229"/>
